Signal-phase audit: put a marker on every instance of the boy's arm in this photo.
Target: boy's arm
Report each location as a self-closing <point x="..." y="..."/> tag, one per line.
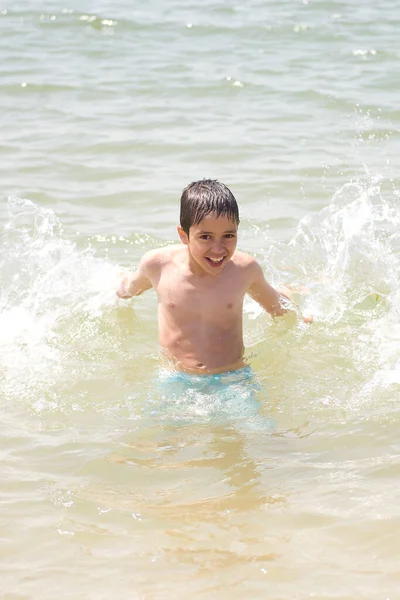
<point x="136" y="282"/>
<point x="274" y="302"/>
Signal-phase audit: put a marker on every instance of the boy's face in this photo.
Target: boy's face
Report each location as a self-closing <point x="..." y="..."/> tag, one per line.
<point x="211" y="243"/>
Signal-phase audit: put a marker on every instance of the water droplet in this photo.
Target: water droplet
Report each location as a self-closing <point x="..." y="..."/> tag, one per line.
<point x="88" y="18"/>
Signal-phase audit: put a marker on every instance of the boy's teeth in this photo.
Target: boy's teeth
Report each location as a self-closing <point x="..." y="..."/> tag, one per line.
<point x="216" y="260"/>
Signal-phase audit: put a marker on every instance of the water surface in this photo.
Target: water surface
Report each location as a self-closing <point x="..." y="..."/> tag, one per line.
<point x="106" y="112"/>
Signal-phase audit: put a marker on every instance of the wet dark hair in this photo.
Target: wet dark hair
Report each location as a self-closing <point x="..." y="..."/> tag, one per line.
<point x="200" y="198"/>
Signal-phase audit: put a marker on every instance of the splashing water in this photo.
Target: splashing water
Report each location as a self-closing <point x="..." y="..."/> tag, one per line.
<point x="61" y="331"/>
<point x="351" y="249"/>
<point x="349" y="255"/>
<point x="51" y="293"/>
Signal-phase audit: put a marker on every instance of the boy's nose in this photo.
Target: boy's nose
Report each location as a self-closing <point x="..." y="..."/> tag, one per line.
<point x="217" y="247"/>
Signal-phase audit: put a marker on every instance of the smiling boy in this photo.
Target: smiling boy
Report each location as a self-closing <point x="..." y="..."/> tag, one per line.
<point x="201" y="284"/>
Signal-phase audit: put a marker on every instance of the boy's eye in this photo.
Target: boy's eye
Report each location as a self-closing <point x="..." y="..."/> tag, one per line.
<point x="205" y="236"/>
<point x="230" y="235"/>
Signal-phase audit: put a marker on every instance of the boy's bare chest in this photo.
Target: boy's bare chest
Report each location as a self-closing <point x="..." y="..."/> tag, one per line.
<point x="201" y="296"/>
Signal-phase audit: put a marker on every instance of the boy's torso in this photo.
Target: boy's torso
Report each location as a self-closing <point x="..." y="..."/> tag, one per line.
<point x="200" y="316"/>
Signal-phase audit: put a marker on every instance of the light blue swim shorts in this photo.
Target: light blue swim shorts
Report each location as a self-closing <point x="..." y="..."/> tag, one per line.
<point x="234" y="394"/>
<point x="224" y="383"/>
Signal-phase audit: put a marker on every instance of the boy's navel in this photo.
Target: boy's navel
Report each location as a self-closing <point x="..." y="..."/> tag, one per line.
<point x="229" y="305"/>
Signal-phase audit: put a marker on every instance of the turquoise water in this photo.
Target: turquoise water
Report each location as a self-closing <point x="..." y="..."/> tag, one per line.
<point x="106" y="112"/>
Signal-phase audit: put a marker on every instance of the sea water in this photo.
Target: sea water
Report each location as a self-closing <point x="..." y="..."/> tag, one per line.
<point x="108" y="487"/>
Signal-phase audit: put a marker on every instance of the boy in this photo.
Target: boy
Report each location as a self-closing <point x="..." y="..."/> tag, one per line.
<point x="201" y="284"/>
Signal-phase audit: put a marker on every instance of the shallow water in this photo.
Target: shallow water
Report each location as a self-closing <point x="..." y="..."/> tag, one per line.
<point x="106" y="113"/>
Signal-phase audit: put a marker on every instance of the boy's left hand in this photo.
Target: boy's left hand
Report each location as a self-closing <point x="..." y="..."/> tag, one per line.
<point x="288" y="290"/>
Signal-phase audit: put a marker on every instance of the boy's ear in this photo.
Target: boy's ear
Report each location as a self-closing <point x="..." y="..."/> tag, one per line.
<point x="183" y="235"/>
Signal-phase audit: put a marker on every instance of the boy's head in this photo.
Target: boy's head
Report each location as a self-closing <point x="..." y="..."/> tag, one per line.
<point x="204" y="197"/>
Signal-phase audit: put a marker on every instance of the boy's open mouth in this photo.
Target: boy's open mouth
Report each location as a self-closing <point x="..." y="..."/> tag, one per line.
<point x="215" y="262"/>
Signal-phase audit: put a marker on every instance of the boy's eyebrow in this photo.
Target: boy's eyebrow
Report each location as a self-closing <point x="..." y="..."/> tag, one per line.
<point x="227" y="231"/>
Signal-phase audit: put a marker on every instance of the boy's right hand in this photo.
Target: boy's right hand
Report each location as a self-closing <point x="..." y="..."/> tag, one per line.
<point x="122" y="279"/>
<point x="134" y="283"/>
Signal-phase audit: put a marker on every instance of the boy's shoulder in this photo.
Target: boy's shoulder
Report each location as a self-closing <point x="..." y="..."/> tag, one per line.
<point x="159" y="256"/>
<point x="248" y="266"/>
<point x="244" y="261"/>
